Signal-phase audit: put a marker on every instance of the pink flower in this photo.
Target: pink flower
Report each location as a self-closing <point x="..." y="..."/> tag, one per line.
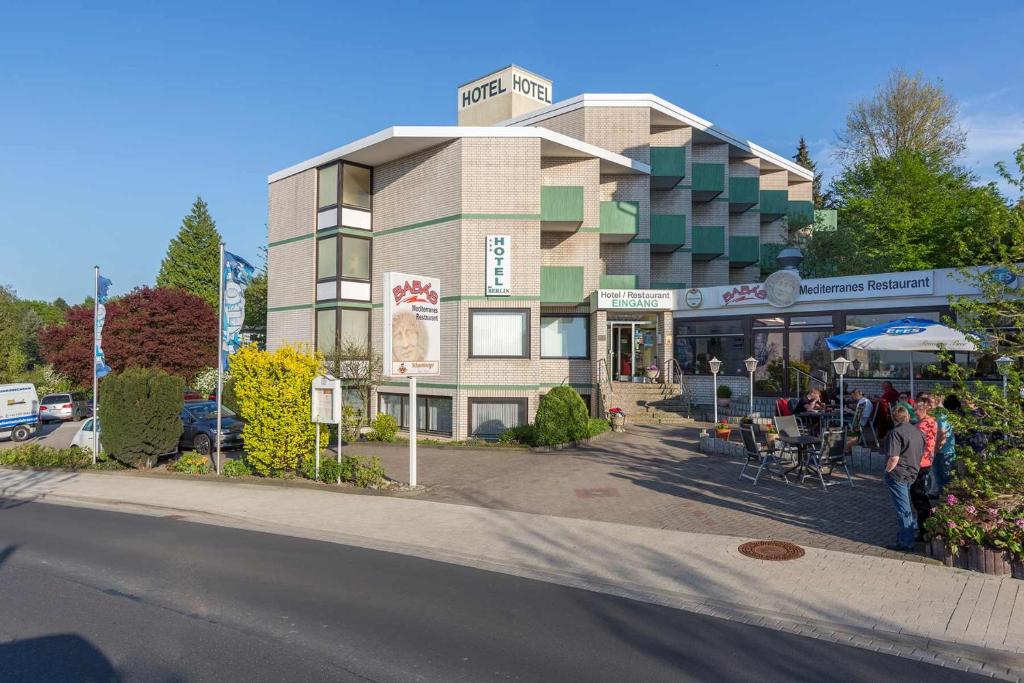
<point x="971" y="509"/>
<point x="951" y="500"/>
<point x="1020" y="523"/>
<point x="993" y="511"/>
<point x="951" y="524"/>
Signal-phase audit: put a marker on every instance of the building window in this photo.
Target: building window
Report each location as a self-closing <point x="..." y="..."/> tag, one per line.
<point x="355" y="258"/>
<point x="327" y="258"/>
<point x="328" y="186"/>
<point x="356" y="187"/>
<point x="337" y="327"/>
<point x="433" y="413"/>
<point x="499" y="333"/>
<point x="698" y="342"/>
<point x="490" y="417"/>
<point x="564" y="336"/>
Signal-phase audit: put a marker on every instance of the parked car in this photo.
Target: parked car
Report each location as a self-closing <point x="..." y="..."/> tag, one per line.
<point x="83" y="437"/>
<point x="19" y="411"/>
<point x="68" y="406"/>
<point x="199" y="419"/>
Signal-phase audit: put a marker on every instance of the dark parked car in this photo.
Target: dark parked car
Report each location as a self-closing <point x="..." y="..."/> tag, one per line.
<point x="200" y="421"/>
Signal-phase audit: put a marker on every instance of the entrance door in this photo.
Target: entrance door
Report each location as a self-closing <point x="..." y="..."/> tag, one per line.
<point x="632" y="349"/>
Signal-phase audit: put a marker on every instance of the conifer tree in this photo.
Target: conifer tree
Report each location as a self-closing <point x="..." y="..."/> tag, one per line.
<point x="193" y="256"/>
<point x="803" y="157"/>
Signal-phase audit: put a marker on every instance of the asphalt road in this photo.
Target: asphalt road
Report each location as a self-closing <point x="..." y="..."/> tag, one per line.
<point x="88" y="595"/>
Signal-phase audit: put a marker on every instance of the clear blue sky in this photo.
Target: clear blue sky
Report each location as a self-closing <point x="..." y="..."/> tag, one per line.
<point x="114" y="116"/>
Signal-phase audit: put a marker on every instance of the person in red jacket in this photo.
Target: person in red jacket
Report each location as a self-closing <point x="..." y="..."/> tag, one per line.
<point x="889" y="393"/>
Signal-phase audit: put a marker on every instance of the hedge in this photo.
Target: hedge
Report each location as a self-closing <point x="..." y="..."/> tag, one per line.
<point x="140" y="410"/>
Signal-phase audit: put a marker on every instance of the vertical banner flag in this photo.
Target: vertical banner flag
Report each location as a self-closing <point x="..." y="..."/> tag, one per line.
<point x="237" y="276"/>
<point x="102" y="286"/>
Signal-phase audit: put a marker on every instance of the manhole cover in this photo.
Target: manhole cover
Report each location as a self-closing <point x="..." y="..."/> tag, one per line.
<point x="774" y="551"/>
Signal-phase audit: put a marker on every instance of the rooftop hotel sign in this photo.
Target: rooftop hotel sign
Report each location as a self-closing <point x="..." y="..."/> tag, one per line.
<point x="635" y="299"/>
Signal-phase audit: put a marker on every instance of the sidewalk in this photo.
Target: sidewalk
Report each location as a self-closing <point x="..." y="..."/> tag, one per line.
<point x="931" y="613"/>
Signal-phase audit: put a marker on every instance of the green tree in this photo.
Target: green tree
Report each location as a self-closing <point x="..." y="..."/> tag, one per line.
<point x="906" y="114"/>
<point x="256" y="303"/>
<point x="803" y="157"/>
<point x="141" y="415"/>
<point x="193" y="256"/>
<point x="12" y="354"/>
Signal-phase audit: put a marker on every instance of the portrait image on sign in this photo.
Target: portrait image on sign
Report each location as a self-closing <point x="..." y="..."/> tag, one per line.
<point x="412" y="325"/>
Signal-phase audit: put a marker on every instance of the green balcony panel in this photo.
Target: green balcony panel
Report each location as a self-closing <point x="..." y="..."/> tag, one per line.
<point x="620" y="221"/>
<point x="668" y="167"/>
<point x="561" y="208"/>
<point x="668" y="233"/>
<point x="561" y="284"/>
<point x="618" y="282"/>
<point x="826" y="220"/>
<point x="800" y="213"/>
<point x="743" y="193"/>
<point x="707" y="181"/>
<point x="708" y="242"/>
<point x="774" y="204"/>
<point x="744" y="250"/>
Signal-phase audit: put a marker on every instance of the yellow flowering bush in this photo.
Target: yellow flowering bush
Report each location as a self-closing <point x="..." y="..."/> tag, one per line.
<point x="273" y="389"/>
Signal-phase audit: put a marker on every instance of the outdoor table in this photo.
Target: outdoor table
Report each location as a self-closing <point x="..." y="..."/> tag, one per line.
<point x="801" y="442"/>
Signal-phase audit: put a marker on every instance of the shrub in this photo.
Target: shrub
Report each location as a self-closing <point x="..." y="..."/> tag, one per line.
<point x="385" y="428"/>
<point x="724" y="391"/>
<point x="361" y="471"/>
<point x="192" y="463"/>
<point x="140" y="410"/>
<point x="597" y="425"/>
<point x="105" y="463"/>
<point x="562" y="417"/>
<point x="235" y="468"/>
<point x="330" y="470"/>
<point x="273" y="392"/>
<point x="523" y="435"/>
<point x="34" y="455"/>
<point x="351" y="423"/>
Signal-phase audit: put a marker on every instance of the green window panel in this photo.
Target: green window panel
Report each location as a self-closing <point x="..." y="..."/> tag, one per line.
<point x="826" y="219"/>
<point x="800" y="213"/>
<point x="743" y="194"/>
<point x="618" y="282"/>
<point x="708" y="242"/>
<point x="620" y="221"/>
<point x="668" y="167"/>
<point x="707" y="181"/>
<point x="561" y="206"/>
<point x="744" y="250"/>
<point x="561" y="284"/>
<point x="774" y="204"/>
<point x="668" y="232"/>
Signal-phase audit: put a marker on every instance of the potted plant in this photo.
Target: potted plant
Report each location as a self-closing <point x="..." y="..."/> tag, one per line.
<point x="617" y="418"/>
<point x="652" y="371"/>
<point x="722" y="430"/>
<point x="724" y="396"/>
<point x="771" y="436"/>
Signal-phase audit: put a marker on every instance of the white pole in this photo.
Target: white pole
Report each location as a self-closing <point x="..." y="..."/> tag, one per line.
<point x="911" y="374"/>
<point x="95" y="379"/>
<point x="751" y="394"/>
<point x="316" y="470"/>
<point x="714" y="394"/>
<point x="1004" y="386"/>
<point x="412" y="431"/>
<point x="220" y="347"/>
<point x="841" y="401"/>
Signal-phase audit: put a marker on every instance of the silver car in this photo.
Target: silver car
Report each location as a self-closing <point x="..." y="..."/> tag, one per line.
<point x="64" y="407"/>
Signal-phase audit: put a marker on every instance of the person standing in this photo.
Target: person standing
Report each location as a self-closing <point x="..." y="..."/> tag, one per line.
<point x="908" y="405"/>
<point x="904" y="446"/>
<point x="889" y="393"/>
<point x="945" y="445"/>
<point x="929" y="429"/>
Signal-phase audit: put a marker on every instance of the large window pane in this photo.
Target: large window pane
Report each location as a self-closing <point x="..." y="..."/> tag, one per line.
<point x="499" y="333"/>
<point x="355" y="327"/>
<point x="768" y="350"/>
<point x="489" y="419"/>
<point x="563" y="336"/>
<point x="355" y="258"/>
<point x="434" y="414"/>
<point x="355" y="186"/>
<point x="326" y="320"/>
<point x="328" y="185"/>
<point x="710" y="327"/>
<point x="392" y="405"/>
<point x="809" y="353"/>
<point x="327" y="258"/>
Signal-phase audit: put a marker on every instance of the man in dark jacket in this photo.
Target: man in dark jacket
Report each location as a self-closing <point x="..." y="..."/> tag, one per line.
<point x="904" y="446"/>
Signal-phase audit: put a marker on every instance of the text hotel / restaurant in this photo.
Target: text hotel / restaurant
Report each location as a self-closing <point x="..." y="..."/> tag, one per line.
<point x="588" y="238"/>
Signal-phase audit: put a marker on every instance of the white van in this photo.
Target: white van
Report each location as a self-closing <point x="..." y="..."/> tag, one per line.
<point x="19" y="411"/>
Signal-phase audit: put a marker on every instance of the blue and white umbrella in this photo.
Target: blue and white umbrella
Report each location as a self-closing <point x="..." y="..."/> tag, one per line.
<point x="906" y="334"/>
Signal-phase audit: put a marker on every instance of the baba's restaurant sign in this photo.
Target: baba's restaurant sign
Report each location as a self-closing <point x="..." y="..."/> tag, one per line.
<point x="412" y="325"/>
<point x="918" y="283"/>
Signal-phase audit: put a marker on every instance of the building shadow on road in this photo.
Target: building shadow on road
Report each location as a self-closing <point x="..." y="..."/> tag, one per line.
<point x="58" y="657"/>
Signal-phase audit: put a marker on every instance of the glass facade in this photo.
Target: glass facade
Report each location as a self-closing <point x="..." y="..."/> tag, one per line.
<point x="327" y="186"/>
<point x="356" y="187"/>
<point x="355" y="258"/>
<point x="340" y="326"/>
<point x="433" y="413"/>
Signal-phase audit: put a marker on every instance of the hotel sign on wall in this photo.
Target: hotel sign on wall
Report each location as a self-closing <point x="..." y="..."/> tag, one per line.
<point x="636" y="299"/>
<point x="498" y="273"/>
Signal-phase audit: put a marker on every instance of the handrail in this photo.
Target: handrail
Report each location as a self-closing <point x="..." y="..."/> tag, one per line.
<point x="604" y="384"/>
<point x="812" y="378"/>
<point x="676" y="371"/>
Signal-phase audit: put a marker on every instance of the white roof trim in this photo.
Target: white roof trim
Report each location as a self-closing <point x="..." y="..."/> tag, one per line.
<point x="664" y="106"/>
<point x="438" y="134"/>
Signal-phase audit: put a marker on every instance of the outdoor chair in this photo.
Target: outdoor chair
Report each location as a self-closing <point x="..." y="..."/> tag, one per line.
<point x="833" y="453"/>
<point x="782" y="408"/>
<point x="869" y="434"/>
<point x="756" y="454"/>
<point x="787" y="426"/>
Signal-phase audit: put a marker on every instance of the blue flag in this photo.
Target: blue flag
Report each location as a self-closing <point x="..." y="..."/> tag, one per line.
<point x="102" y="287"/>
<point x="236" y="278"/>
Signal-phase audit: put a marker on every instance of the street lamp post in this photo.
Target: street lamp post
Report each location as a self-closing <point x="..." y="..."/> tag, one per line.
<point x="841" y="365"/>
<point x="751" y="364"/>
<point x="715" y="365"/>
<point x="1003" y="364"/>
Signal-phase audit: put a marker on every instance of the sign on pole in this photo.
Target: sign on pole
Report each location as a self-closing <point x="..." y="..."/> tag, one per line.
<point x="412" y="337"/>
<point x="326" y="407"/>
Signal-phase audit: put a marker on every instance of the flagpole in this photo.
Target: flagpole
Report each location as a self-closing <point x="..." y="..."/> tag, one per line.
<point x="220" y="346"/>
<point x="95" y="379"/>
